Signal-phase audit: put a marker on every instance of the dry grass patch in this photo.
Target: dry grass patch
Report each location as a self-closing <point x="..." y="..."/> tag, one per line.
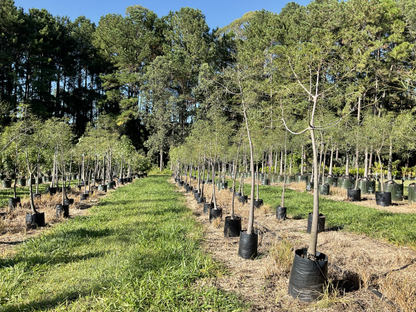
<point x="13" y="229"/>
<point x="356" y="264"/>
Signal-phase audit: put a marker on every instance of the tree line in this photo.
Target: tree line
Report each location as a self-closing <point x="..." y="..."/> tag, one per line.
<point x="156" y="77"/>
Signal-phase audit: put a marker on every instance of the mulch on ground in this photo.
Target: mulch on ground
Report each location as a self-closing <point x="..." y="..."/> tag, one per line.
<point x="361" y="269"/>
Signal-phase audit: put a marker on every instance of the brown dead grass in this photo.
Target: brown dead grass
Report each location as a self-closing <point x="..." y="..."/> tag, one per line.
<point x="13" y="229"/>
<point x="358" y="264"/>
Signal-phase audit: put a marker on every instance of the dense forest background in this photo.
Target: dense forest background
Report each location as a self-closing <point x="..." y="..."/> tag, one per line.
<point x="149" y="73"/>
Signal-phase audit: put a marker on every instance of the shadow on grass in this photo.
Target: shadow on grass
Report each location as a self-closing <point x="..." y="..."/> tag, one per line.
<point x="50" y="259"/>
<point x="50" y="303"/>
<point x="335" y="228"/>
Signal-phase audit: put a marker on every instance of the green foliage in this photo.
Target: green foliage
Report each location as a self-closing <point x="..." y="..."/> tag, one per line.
<point x="155" y="171"/>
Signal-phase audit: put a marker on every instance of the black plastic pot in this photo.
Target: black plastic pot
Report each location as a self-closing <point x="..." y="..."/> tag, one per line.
<point x="247" y="246"/>
<point x="243" y="199"/>
<point x="21" y="182"/>
<point x="232" y="227"/>
<point x="258" y="203"/>
<point x="265" y="182"/>
<point x="347" y="182"/>
<point x="68" y="201"/>
<point x="13" y="202"/>
<point x="84" y="196"/>
<point x="395" y="189"/>
<point x="354" y="194"/>
<point x="321" y="223"/>
<point x="281" y="213"/>
<point x="237" y="194"/>
<point x="62" y="210"/>
<point x="309" y="186"/>
<point x="6" y="183"/>
<point x="411" y="190"/>
<point x="102" y="187"/>
<point x="290" y="179"/>
<point x="207" y="207"/>
<point x="52" y="190"/>
<point x="201" y="200"/>
<point x="383" y="199"/>
<point x="307" y="277"/>
<point x="110" y="186"/>
<point x="215" y="213"/>
<point x="37" y="219"/>
<point x="323" y="189"/>
<point x="331" y="180"/>
<point x="367" y="186"/>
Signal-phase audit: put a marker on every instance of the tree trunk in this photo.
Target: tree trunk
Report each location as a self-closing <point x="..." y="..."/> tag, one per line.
<point x="390" y="164"/>
<point x="213" y="198"/>
<point x="257" y="192"/>
<point x="301" y="161"/>
<point x="330" y="161"/>
<point x="356" y="166"/>
<point x="366" y="163"/>
<point x="161" y="160"/>
<point x="381" y="169"/>
<point x="251" y="210"/>
<point x="347" y="167"/>
<point x="282" y="202"/>
<point x="275" y="162"/>
<point x="324" y="163"/>
<point x="315" y="214"/>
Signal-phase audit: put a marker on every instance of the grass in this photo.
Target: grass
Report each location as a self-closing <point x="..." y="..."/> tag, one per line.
<point x="138" y="250"/>
<point x="396" y="228"/>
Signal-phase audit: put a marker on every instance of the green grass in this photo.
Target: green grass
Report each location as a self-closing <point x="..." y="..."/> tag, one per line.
<point x="396" y="228"/>
<point x="139" y="250"/>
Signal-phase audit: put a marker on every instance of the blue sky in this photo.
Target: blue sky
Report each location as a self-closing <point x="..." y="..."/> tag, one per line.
<point x="217" y="13"/>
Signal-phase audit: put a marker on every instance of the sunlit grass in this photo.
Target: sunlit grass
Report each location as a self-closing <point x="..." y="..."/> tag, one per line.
<point x="138" y="250"/>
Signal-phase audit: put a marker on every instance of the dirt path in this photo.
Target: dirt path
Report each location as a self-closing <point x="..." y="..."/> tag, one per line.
<point x="360" y="267"/>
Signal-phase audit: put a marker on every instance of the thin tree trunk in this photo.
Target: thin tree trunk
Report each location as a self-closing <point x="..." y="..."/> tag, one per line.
<point x="347" y="167"/>
<point x="234" y="178"/>
<point x="301" y="161"/>
<point x="390" y="164"/>
<point x="213" y="198"/>
<point x="161" y="160"/>
<point x="275" y="162"/>
<point x="282" y="203"/>
<point x="366" y="163"/>
<point x="330" y="161"/>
